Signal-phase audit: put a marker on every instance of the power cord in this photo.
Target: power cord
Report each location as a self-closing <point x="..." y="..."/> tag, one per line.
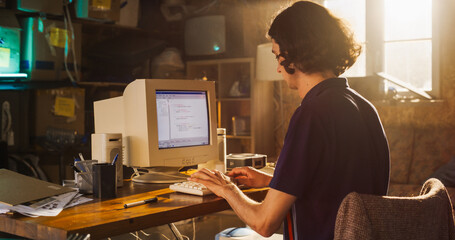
<point x="69" y="26"/>
<point x="7" y="134"/>
<point x="174" y="230"/>
<point x="137" y="173"/>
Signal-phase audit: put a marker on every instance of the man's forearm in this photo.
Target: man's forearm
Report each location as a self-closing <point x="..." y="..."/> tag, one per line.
<point x="264" y="217"/>
<point x="251" y="212"/>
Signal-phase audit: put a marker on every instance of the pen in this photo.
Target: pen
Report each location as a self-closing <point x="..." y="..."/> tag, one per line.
<point x="150" y="200"/>
<point x="84" y="175"/>
<point x="79" y="166"/>
<point x="115" y="159"/>
<point x="76" y="169"/>
<point x="82" y="157"/>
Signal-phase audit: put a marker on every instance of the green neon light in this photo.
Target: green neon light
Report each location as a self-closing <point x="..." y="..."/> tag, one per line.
<point x="40" y="25"/>
<point x="82" y="8"/>
<point x="28" y="49"/>
<point x="13" y="75"/>
<point x="19" y="7"/>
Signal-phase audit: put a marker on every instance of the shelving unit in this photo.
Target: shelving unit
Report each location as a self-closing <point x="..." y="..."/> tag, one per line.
<point x="244" y="105"/>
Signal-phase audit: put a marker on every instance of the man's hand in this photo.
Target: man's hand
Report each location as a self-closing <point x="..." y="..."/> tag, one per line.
<point x="250" y="177"/>
<point x="214" y="180"/>
<point x="264" y="217"/>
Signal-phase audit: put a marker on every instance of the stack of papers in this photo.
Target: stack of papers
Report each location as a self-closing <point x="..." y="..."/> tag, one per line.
<point x="50" y="207"/>
<point x="33" y="197"/>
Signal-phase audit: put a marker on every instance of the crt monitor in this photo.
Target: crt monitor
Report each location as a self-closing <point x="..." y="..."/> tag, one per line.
<point x="165" y="125"/>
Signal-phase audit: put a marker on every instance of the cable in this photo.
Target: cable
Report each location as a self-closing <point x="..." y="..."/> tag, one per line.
<point x="136" y="173"/>
<point x="165" y="236"/>
<point x="65" y="58"/>
<point x="204" y="8"/>
<point x="194" y="228"/>
<point x="68" y="22"/>
<point x="18" y="160"/>
<point x="175" y="231"/>
<point x="135" y="235"/>
<point x="6" y="121"/>
<point x="146" y="234"/>
<point x="169" y="175"/>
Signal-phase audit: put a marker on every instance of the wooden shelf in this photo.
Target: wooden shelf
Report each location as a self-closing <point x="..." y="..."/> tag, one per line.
<point x="22" y="85"/>
<point x="233" y="99"/>
<point x="254" y="111"/>
<point x="237" y="137"/>
<point x="103" y="84"/>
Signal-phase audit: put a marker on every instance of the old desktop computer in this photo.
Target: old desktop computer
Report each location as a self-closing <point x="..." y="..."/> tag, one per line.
<point x="165" y="125"/>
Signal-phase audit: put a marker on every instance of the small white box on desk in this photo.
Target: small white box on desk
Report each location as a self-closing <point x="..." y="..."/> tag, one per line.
<point x="105" y="146"/>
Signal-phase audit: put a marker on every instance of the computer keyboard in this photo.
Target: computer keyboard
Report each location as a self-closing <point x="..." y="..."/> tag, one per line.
<point x="190" y="187"/>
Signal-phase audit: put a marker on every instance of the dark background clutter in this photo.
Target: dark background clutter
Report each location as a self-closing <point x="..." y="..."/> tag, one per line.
<point x="114" y="43"/>
<point x="113" y="52"/>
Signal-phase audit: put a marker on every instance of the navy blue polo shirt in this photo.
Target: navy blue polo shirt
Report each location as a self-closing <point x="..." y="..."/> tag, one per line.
<point x="335" y="145"/>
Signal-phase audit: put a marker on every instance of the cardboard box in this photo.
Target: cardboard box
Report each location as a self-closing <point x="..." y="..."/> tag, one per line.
<point x="54" y="7"/>
<point x="60" y="111"/>
<point x="99" y="10"/>
<point x="10" y="35"/>
<point x="129" y="13"/>
<point x="43" y="49"/>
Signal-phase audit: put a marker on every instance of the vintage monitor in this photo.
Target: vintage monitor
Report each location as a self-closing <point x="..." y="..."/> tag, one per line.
<point x="165" y="125"/>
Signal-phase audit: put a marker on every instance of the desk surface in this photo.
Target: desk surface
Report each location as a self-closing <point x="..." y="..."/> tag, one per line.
<point x="103" y="218"/>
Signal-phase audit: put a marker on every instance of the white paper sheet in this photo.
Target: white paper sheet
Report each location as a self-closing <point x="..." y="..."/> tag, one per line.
<point x="48" y="207"/>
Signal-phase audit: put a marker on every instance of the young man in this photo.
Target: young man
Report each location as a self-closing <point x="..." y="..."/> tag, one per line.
<point x="335" y="142"/>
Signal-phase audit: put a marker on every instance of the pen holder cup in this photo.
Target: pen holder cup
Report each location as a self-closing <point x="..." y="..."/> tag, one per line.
<point x="84" y="182"/>
<point x="85" y="166"/>
<point x="104" y="180"/>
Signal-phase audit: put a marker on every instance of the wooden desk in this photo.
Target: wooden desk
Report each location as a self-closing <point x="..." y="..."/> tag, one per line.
<point x="108" y="217"/>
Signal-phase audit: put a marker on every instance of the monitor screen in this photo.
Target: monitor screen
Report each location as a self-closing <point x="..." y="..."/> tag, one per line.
<point x="182" y="118"/>
<point x="163" y="122"/>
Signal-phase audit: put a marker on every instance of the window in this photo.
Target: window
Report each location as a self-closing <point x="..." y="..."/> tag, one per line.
<point x="398" y="38"/>
<point x="353" y="12"/>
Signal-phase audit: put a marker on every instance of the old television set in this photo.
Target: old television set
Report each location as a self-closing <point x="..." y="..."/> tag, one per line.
<point x="165" y="125"/>
<point x="10" y="48"/>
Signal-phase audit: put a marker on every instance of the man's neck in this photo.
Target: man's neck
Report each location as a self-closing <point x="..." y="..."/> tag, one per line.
<point x="307" y="81"/>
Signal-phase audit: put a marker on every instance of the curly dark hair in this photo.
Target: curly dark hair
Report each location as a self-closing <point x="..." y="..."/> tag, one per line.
<point x="313" y="39"/>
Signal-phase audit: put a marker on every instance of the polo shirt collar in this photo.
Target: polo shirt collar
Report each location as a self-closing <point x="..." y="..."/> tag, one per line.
<point x="328" y="83"/>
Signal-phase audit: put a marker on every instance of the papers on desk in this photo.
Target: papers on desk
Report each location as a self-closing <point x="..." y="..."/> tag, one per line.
<point x="78" y="199"/>
<point x="33" y="197"/>
<point x="51" y="206"/>
<point x="17" y="189"/>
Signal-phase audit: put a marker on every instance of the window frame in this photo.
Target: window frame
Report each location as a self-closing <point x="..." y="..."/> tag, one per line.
<point x="375" y="43"/>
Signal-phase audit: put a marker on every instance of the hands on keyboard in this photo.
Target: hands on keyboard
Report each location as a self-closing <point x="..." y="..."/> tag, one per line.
<point x="194" y="188"/>
<point x="190" y="187"/>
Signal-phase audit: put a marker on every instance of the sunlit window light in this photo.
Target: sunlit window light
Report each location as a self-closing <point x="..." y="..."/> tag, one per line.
<point x="408" y="41"/>
<point x="403" y="33"/>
